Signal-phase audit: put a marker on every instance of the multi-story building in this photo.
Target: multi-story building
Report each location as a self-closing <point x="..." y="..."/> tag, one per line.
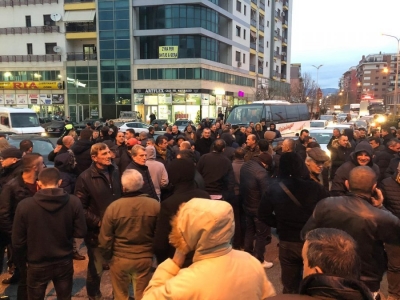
<point x="348" y="86"/>
<point x="90" y="59"/>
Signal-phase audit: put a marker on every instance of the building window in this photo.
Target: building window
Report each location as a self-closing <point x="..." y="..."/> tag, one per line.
<point x="237" y="56"/>
<point x="267" y="44"/>
<point x="383" y="83"/>
<point x="29" y="48"/>
<point x="238" y="31"/>
<point x="266" y="64"/>
<point x="28" y="21"/>
<point x="244" y="9"/>
<point x="238" y="6"/>
<point x="50" y="48"/>
<point x="268" y="3"/>
<point x="244" y="34"/>
<point x="47" y="21"/>
<point x="244" y="58"/>
<point x="267" y="23"/>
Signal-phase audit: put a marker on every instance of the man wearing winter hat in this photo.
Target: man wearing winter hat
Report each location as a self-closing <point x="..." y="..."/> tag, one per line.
<point x="316" y="160"/>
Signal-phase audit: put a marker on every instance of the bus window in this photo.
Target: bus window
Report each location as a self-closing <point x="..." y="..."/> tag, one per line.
<point x="4" y="120"/>
<point x="303" y="113"/>
<point x="278" y="113"/>
<point x="292" y="113"/>
<point x="267" y="113"/>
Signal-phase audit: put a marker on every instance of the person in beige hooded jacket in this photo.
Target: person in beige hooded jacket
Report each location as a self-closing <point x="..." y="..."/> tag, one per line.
<point x="218" y="271"/>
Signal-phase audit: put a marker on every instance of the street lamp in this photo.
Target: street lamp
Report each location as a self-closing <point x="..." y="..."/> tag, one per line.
<point x="397" y="73"/>
<point x="316" y="92"/>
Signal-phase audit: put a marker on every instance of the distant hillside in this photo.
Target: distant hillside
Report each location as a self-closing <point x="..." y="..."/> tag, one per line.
<point x="328" y="91"/>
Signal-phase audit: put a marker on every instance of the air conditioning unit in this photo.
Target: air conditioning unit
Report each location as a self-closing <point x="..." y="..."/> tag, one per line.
<point x="239" y="64"/>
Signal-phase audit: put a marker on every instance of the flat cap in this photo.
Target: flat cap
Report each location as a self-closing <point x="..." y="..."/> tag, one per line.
<point x="318" y="154"/>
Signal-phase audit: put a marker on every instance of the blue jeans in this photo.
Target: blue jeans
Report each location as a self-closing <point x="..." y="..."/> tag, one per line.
<point x="60" y="273"/>
<point x="259" y="232"/>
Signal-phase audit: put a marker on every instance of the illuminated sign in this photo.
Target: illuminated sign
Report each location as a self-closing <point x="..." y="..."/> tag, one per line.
<point x="31" y="85"/>
<point x="168" y="52"/>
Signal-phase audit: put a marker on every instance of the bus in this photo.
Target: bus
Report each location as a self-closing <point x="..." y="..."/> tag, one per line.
<point x="355" y="107"/>
<point x="289" y="118"/>
<point x="372" y="107"/>
<point x="20" y="121"/>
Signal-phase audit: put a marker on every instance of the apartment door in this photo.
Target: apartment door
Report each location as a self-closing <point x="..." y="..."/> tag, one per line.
<point x="89" y="52"/>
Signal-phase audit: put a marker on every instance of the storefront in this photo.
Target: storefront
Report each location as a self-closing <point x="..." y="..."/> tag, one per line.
<point x="46" y="98"/>
<point x="172" y="104"/>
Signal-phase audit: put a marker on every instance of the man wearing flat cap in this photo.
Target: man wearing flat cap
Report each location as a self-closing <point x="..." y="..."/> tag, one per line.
<point x="316" y="160"/>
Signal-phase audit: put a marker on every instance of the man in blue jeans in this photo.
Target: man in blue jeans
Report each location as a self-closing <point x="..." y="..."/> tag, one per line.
<point x="54" y="217"/>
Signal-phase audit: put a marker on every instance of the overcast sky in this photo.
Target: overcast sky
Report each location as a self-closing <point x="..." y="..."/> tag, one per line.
<point x="336" y="33"/>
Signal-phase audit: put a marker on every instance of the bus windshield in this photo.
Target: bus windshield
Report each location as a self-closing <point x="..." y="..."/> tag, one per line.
<point x="23" y="120"/>
<point x="245" y="114"/>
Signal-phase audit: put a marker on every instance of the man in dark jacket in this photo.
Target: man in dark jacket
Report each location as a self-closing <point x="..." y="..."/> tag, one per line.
<point x="254" y="181"/>
<point x="392" y="169"/>
<point x="272" y="127"/>
<point x="217" y="172"/>
<point x="11" y="165"/>
<point x="114" y="129"/>
<point x="375" y="143"/>
<point x="300" y="149"/>
<point x="340" y="153"/>
<point x="63" y="144"/>
<point x="386" y="135"/>
<point x="164" y="154"/>
<point x="229" y="150"/>
<point x="238" y="211"/>
<point x="252" y="149"/>
<point x="331" y="268"/>
<point x="139" y="157"/>
<point x="97" y="187"/>
<point x="21" y="187"/>
<point x="383" y="158"/>
<point x="123" y="158"/>
<point x="181" y="174"/>
<point x="335" y="135"/>
<point x="391" y="191"/>
<point x="81" y="149"/>
<point x="279" y="210"/>
<point x="362" y="156"/>
<point x="203" y="145"/>
<point x="54" y="216"/>
<point x="360" y="215"/>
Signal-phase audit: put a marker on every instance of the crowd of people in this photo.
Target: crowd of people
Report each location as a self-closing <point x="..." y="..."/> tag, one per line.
<point x="199" y="206"/>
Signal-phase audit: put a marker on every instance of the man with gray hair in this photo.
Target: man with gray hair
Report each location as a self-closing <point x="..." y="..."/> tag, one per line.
<point x="126" y="237"/>
<point x="157" y="170"/>
<point x="138" y="163"/>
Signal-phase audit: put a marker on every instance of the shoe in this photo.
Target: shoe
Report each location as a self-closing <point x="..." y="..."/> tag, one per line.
<point x="10" y="280"/>
<point x="267" y="265"/>
<point x="77" y="256"/>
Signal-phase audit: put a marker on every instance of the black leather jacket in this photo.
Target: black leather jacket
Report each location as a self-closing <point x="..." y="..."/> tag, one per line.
<point x="371" y="227"/>
<point x="391" y="192"/>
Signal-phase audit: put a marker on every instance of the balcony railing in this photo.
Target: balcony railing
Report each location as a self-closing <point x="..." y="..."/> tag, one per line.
<point x="80" y="27"/>
<point x="253" y="22"/>
<point x="284" y="40"/>
<point x="260" y="70"/>
<point x="277" y="54"/>
<point x="278" y="16"/>
<point x="277" y="35"/>
<point x="253" y="45"/>
<point x="74" y="56"/>
<point x="277" y="74"/>
<point x="254" y="1"/>
<point x="30" y="58"/>
<point x="33" y="29"/>
<point x="5" y="3"/>
<point x="261" y="48"/>
<point x="283" y="57"/>
<point x="285" y="4"/>
<point x="284" y="22"/>
<point x="262" y="5"/>
<point x="283" y="76"/>
<point x="252" y="68"/>
<point x="77" y="1"/>
<point x="261" y="27"/>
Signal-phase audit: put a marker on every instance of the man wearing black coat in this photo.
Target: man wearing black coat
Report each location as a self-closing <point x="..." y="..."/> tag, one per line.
<point x="300" y="149"/>
<point x="139" y="157"/>
<point x="360" y="214"/>
<point x="11" y="165"/>
<point x="181" y="174"/>
<point x="203" y="145"/>
<point x="81" y="149"/>
<point x="382" y="159"/>
<point x="97" y="187"/>
<point x="340" y="153"/>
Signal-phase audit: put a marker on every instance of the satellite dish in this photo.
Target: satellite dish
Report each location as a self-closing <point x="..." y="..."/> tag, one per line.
<point x="57" y="49"/>
<point x="55" y="17"/>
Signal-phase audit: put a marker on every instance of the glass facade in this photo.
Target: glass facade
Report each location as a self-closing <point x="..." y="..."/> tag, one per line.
<point x="30" y="75"/>
<point x="190" y="46"/>
<point x="115" y="64"/>
<point x="193" y="73"/>
<point x="178" y="16"/>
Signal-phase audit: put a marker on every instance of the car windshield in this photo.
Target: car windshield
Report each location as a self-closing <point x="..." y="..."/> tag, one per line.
<point x="39" y="146"/>
<point x="317" y="124"/>
<point x="23" y="120"/>
<point x="326" y="117"/>
<point x="321" y="138"/>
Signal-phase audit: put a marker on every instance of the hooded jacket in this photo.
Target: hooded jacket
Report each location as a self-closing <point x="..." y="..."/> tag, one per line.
<point x="157" y="170"/>
<point x="339" y="155"/>
<point x="342" y="174"/>
<point x="81" y="149"/>
<point x="52" y="217"/>
<point x="10" y="172"/>
<point x="382" y="160"/>
<point x="218" y="272"/>
<point x="324" y="287"/>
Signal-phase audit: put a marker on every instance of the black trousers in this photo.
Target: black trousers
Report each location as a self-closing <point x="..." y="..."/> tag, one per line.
<point x="60" y="273"/>
<point x="291" y="266"/>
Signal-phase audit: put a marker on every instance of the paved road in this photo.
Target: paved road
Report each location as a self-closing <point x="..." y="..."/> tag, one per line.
<point x="79" y="290"/>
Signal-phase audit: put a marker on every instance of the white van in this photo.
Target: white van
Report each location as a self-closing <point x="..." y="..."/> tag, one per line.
<point x="19" y="121"/>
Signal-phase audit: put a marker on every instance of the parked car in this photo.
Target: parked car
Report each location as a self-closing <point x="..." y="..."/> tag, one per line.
<point x="82" y="125"/>
<point x="182" y="123"/>
<point x="137" y="126"/>
<point x="55" y="128"/>
<point x="318" y="123"/>
<point x="41" y="145"/>
<point x="212" y="120"/>
<point x="322" y="137"/>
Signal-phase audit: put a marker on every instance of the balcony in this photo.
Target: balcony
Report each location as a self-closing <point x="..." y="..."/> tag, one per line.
<point x="261" y="27"/>
<point x="283" y="57"/>
<point x="278" y="17"/>
<point x="75" y="56"/>
<point x="283" y="76"/>
<point x="30" y="58"/>
<point x="253" y="45"/>
<point x="277" y="74"/>
<point x="284" y="41"/>
<point x="80" y="27"/>
<point x="261" y="48"/>
<point x="277" y="36"/>
<point x="252" y="68"/>
<point x="12" y="3"/>
<point x="260" y="70"/>
<point x="262" y="5"/>
<point x="254" y="1"/>
<point x="284" y="23"/>
<point x="77" y="1"/>
<point x="277" y="54"/>
<point x="33" y="29"/>
<point x="285" y="4"/>
<point x="253" y="23"/>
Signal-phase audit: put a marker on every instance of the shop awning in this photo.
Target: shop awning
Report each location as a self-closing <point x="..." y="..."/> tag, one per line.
<point x="253" y="34"/>
<point x="79" y="16"/>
